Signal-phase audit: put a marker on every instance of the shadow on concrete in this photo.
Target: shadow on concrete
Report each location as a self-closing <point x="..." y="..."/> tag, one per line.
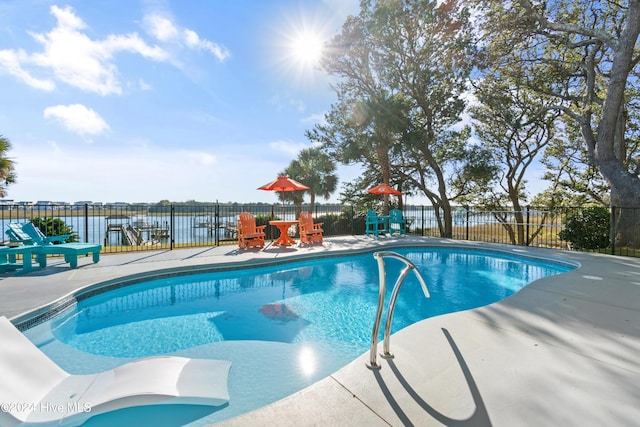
<point x="479" y="418"/>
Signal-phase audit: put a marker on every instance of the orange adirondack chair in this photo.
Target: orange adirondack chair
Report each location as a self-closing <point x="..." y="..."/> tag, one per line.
<point x="250" y="235"/>
<point x="309" y="232"/>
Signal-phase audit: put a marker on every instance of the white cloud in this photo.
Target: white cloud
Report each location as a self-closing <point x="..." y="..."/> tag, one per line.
<point x="280" y="102"/>
<point x="298" y="104"/>
<point x="313" y="119"/>
<point x="342" y="8"/>
<point x="165" y="31"/>
<point x="276" y="101"/>
<point x="69" y="55"/>
<point x="161" y="28"/>
<point x="132" y="43"/>
<point x="54" y="146"/>
<point x="144" y="85"/>
<point x="67" y="20"/>
<point x="201" y="158"/>
<point x="77" y="118"/>
<point x="290" y="148"/>
<point x="90" y="176"/>
<point x="10" y="64"/>
<point x="192" y="39"/>
<point x="79" y="61"/>
<point x="195" y="42"/>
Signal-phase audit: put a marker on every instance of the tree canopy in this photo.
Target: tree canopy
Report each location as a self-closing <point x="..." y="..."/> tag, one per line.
<point x="403" y="68"/>
<point x="315" y="169"/>
<point x="7" y="172"/>
<point x="583" y="56"/>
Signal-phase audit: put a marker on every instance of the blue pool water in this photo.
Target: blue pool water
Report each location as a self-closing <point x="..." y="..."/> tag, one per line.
<point x="283" y="327"/>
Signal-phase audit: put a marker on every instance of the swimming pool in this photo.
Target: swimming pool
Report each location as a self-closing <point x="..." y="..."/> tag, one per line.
<point x="283" y="327"/>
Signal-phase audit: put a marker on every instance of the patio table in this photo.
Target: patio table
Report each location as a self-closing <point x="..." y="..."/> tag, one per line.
<point x="385" y="218"/>
<point x="283" y="226"/>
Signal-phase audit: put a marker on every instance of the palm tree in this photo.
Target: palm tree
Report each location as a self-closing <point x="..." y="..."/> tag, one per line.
<point x="315" y="169"/>
<point x="7" y="174"/>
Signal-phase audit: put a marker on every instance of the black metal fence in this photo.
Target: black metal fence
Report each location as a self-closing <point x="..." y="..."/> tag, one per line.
<point x="136" y="227"/>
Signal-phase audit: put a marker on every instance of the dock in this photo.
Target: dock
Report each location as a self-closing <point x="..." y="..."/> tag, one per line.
<point x="134" y="233"/>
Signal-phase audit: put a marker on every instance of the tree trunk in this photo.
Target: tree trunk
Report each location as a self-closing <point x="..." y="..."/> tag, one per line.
<point x="519" y="217"/>
<point x="625" y="187"/>
<point x="448" y="219"/>
<point x="625" y="203"/>
<point x="625" y="194"/>
<point x="312" y="202"/>
<point x="385" y="167"/>
<point x="520" y="227"/>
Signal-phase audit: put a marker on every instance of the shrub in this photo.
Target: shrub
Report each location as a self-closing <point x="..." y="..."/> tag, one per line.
<point x="588" y="229"/>
<point x="54" y="227"/>
<point x="335" y="225"/>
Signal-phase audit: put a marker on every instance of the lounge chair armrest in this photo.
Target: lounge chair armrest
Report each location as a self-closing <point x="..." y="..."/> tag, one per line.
<point x="260" y="228"/>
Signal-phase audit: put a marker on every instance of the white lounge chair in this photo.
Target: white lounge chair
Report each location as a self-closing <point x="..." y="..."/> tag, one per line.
<point x="35" y="390"/>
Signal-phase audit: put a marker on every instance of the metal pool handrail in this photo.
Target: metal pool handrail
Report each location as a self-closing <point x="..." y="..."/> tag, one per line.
<point x="379" y="256"/>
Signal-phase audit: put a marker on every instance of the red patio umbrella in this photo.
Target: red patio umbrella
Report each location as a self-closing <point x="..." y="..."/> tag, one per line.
<point x="283" y="184"/>
<point x="384" y="189"/>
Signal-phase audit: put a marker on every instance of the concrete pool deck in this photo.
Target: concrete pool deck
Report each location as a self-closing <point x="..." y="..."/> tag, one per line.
<point x="564" y="351"/>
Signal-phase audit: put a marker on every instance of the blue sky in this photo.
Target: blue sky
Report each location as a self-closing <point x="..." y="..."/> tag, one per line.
<point x="128" y="100"/>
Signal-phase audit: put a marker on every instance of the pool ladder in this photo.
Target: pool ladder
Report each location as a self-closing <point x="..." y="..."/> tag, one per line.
<point x="380" y="256"/>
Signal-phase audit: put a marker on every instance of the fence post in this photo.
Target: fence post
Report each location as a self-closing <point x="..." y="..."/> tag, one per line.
<point x="216" y="214"/>
<point x="172" y="221"/>
<point x="353" y="221"/>
<point x="86" y="223"/>
<point x="466" y="208"/>
<point x="612" y="230"/>
<point x="423" y="224"/>
<point x="526" y="237"/>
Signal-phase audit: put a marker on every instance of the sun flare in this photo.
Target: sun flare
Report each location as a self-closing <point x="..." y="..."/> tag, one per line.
<point x="299" y="46"/>
<point x="306" y="49"/>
